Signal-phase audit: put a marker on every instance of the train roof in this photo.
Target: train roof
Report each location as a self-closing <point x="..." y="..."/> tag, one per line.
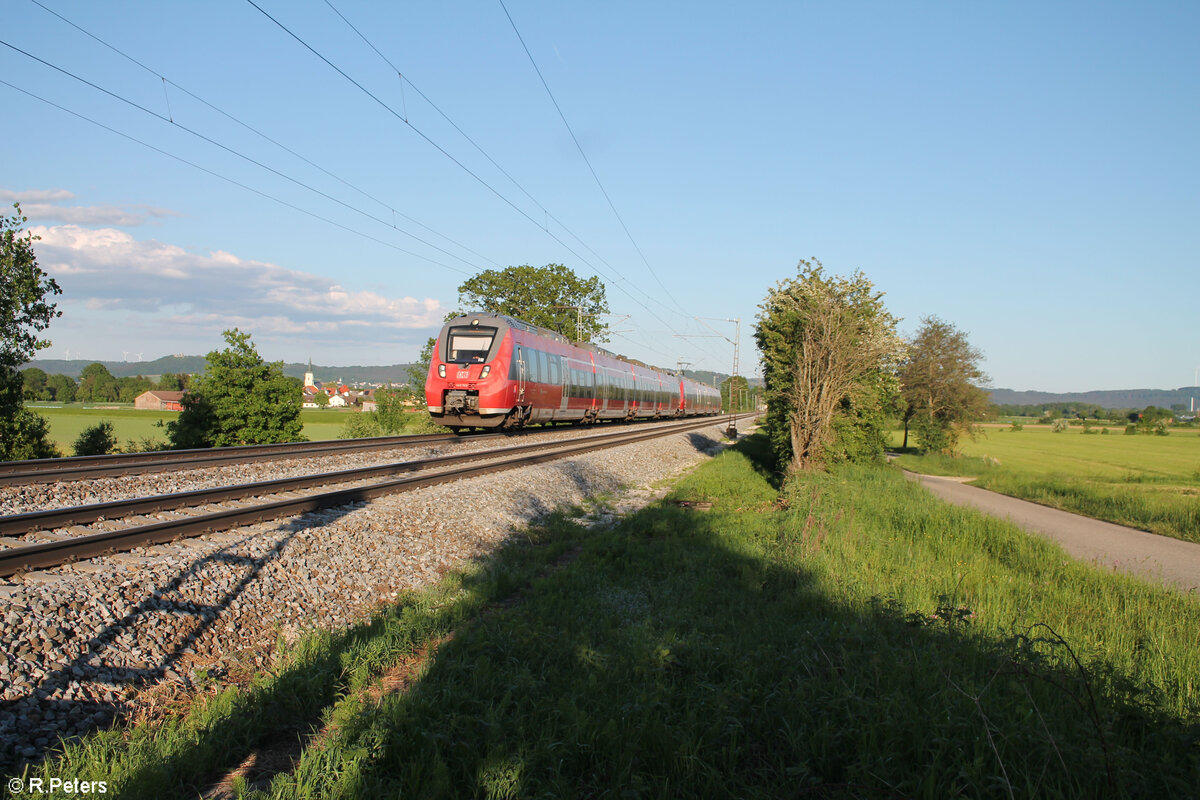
<point x="521" y="325"/>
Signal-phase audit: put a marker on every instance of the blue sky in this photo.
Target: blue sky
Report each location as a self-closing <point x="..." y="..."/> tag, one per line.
<point x="1026" y="171"/>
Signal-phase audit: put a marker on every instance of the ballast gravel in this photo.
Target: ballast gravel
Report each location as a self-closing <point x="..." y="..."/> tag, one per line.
<point x="82" y="646"/>
<point x="65" y="494"/>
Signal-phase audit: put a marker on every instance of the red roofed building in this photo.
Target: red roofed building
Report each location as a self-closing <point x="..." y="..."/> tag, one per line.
<point x="154" y="400"/>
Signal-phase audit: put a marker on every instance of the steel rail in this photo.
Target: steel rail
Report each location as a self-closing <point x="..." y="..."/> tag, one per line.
<point x="49" y="554"/>
<point x="117" y="509"/>
<point x="15" y="473"/>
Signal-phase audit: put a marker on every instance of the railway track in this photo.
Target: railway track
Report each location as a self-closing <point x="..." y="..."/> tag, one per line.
<point x="14" y="473"/>
<point x="277" y="498"/>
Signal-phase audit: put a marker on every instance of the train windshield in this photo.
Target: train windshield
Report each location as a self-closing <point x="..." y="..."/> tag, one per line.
<point x="470" y="345"/>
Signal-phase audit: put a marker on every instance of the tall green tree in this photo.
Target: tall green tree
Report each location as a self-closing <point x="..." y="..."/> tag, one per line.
<point x="552" y="296"/>
<point x="130" y="388"/>
<point x="827" y="344"/>
<point x="240" y="399"/>
<point x="25" y="311"/>
<point x="173" y="381"/>
<point x="33" y="381"/>
<point x="61" y="387"/>
<point x="418" y="373"/>
<point x="389" y="410"/>
<point x="97" y="384"/>
<point x="940" y="382"/>
<point x="742" y="396"/>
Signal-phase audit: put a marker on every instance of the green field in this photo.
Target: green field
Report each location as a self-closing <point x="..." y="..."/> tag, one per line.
<point x="67" y="422"/>
<point x="1148" y="482"/>
<point x="849" y="636"/>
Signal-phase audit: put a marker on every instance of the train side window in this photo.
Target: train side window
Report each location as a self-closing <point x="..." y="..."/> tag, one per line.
<point x="514" y="366"/>
<point x="555" y="378"/>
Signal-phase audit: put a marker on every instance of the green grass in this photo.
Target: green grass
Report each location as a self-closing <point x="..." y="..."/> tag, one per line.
<point x="1147" y="482"/>
<point x="323" y="424"/>
<point x="849" y="636"/>
<point x="67" y="422"/>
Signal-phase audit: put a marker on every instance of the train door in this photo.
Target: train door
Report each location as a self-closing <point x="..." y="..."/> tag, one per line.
<point x="558" y="379"/>
<point x="595" y="393"/>
<point x="520" y="361"/>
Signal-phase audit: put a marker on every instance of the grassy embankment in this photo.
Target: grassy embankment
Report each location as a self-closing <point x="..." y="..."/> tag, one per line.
<point x="1147" y="482"/>
<point x="850" y="637"/>
<point x="67" y="422"/>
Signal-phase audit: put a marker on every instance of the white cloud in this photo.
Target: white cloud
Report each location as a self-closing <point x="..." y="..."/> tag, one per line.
<point x="36" y="196"/>
<point x="41" y="204"/>
<point x="107" y="270"/>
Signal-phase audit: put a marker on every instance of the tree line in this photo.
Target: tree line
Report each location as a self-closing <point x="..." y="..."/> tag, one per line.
<point x="1088" y="411"/>
<point x="95" y="385"/>
<point x="837" y="372"/>
<point x="835" y="369"/>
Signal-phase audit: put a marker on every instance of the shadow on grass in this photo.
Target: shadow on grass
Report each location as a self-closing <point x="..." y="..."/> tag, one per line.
<point x="667" y="665"/>
<point x="672" y="659"/>
<point x="693" y="654"/>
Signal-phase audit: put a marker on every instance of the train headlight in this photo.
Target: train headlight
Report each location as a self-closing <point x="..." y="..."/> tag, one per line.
<point x="483" y="373"/>
<point x="441" y="370"/>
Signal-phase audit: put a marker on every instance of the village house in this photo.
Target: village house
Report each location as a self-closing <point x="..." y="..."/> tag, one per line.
<point x="155" y="400"/>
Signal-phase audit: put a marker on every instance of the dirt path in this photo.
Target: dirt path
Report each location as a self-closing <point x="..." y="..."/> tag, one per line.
<point x="1159" y="558"/>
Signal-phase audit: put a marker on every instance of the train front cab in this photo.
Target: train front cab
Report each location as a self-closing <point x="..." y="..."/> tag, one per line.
<point x="467" y="385"/>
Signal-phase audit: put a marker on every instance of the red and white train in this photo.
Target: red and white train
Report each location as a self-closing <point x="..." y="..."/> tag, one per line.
<point x="490" y="370"/>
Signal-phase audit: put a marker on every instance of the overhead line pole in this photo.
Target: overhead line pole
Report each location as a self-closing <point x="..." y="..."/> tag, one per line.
<point x="736" y="342"/>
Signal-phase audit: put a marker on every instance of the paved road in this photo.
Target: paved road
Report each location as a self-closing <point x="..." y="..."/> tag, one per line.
<point x="1159" y="558"/>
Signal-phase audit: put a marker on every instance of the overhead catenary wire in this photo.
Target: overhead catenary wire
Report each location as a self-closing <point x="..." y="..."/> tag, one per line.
<point x="255" y="131"/>
<point x="234" y="152"/>
<point x="226" y="178"/>
<point x="393" y="112"/>
<point x="404" y="79"/>
<point x="621" y="284"/>
<point x="404" y="117"/>
<point x="587" y="161"/>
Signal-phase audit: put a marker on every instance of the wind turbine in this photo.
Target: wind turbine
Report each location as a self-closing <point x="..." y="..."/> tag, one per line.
<point x="139" y="356"/>
<point x="125" y="356"/>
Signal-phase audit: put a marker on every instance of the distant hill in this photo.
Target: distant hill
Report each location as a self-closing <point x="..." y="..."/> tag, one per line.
<point x="1114" y="398"/>
<point x="193" y="365"/>
<point x="122" y="369"/>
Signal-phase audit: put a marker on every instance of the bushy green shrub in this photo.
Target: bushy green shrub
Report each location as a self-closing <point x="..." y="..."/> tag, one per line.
<point x="147" y="444"/>
<point x="362" y="425"/>
<point x="98" y="440"/>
